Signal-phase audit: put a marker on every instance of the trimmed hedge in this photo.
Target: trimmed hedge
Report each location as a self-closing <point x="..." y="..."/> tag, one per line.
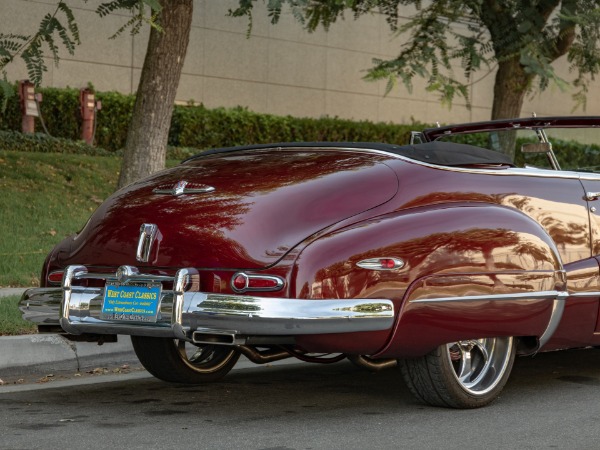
<point x="60" y="111"/>
<point x="196" y="126"/>
<point x="42" y="143"/>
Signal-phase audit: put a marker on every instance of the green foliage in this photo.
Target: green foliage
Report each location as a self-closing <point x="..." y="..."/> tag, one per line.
<point x="113" y="119"/>
<point x="141" y="11"/>
<point x="54" y="28"/>
<point x="573" y="155"/>
<point x="6" y="92"/>
<point x="474" y="35"/>
<point x="59" y="30"/>
<point x="60" y="111"/>
<point x="194" y="126"/>
<point x="42" y="143"/>
<point x="10" y="114"/>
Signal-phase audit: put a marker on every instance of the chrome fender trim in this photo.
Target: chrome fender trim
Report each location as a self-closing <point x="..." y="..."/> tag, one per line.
<point x="558" y="299"/>
<point x="542" y="295"/>
<point x="558" y="308"/>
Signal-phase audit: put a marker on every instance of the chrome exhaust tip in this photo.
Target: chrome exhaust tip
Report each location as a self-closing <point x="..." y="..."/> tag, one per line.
<point x="212" y="338"/>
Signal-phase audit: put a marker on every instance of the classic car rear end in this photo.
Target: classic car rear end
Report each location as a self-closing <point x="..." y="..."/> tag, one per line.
<point x="442" y="256"/>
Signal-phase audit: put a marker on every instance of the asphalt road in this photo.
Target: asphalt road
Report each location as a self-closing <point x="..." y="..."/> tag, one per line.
<point x="551" y="401"/>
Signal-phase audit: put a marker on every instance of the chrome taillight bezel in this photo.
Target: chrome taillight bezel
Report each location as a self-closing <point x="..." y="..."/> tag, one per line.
<point x="279" y="283"/>
<point x="57" y="282"/>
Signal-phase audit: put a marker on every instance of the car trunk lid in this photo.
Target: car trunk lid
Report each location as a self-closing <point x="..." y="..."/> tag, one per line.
<point x="244" y="209"/>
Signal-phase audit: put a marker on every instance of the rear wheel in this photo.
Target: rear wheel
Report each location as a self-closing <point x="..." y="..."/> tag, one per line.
<point x="464" y="374"/>
<point x="178" y="361"/>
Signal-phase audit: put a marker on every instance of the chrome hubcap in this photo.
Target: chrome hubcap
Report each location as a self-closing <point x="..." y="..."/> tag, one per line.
<point x="204" y="358"/>
<point x="479" y="364"/>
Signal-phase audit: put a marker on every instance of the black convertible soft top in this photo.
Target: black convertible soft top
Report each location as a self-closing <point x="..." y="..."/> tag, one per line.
<point x="440" y="153"/>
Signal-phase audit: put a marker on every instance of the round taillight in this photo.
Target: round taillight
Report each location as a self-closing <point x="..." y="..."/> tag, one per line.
<point x="239" y="282"/>
<point x="387" y="263"/>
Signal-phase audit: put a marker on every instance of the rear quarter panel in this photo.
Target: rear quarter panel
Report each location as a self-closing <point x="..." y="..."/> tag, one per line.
<point x="461" y="233"/>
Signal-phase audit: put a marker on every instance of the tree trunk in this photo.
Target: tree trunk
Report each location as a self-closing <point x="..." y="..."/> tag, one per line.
<point x="510" y="87"/>
<point x="145" y="149"/>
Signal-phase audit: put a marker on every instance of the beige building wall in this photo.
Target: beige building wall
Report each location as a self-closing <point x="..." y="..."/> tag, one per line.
<point x="281" y="69"/>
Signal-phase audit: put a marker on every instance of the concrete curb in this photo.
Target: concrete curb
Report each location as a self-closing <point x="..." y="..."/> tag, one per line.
<point x="46" y="353"/>
<point x="7" y="292"/>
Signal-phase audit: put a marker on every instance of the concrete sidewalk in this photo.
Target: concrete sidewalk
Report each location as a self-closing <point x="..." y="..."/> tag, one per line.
<point x="43" y="353"/>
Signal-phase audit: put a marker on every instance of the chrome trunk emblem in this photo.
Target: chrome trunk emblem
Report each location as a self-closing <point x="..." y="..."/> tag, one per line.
<point x="183" y="187"/>
<point x="148" y="234"/>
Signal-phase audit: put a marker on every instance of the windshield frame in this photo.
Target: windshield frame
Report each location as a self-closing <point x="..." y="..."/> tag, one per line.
<point x="432" y="134"/>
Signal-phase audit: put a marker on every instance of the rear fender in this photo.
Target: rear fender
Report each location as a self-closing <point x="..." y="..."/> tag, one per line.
<point x="471" y="270"/>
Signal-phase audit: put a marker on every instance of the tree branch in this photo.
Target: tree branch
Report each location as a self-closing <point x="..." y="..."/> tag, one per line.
<point x="566" y="32"/>
<point x="545" y="8"/>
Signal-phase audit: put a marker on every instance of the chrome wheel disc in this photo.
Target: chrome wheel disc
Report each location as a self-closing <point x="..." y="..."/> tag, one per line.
<point x="205" y="358"/>
<point x="479" y="364"/>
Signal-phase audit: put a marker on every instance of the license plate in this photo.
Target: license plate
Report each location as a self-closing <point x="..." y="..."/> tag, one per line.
<point x="132" y="302"/>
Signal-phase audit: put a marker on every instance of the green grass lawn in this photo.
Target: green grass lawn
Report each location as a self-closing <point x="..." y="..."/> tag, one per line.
<point x="10" y="318"/>
<point x="45" y="197"/>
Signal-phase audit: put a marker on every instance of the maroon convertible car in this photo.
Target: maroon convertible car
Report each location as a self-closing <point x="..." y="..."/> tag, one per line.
<point x="447" y="257"/>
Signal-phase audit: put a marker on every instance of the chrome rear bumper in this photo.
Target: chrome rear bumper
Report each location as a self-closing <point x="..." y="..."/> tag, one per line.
<point x="78" y="309"/>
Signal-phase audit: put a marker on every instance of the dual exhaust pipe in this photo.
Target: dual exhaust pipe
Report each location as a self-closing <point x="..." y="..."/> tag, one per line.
<point x="229" y="338"/>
